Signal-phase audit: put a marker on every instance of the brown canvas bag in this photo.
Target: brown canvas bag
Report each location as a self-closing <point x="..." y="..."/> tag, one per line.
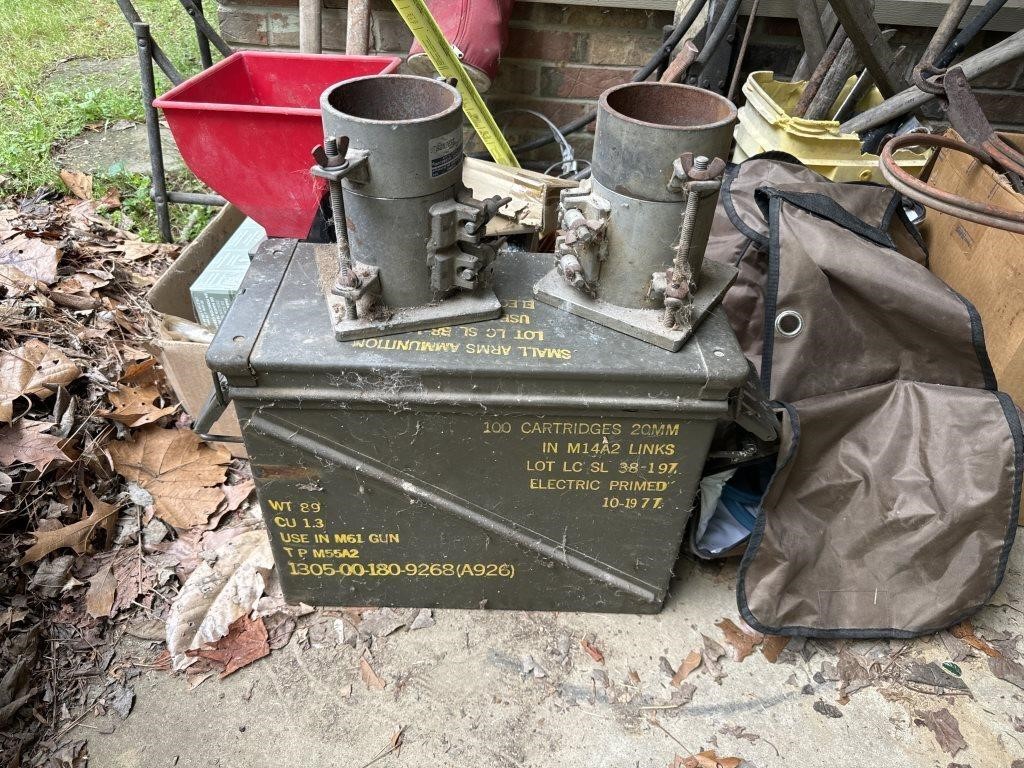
<point x="897" y="493"/>
<point x="891" y="514"/>
<point x="739" y="232"/>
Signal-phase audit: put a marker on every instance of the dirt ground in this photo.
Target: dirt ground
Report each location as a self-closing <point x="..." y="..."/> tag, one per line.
<point x="518" y="689"/>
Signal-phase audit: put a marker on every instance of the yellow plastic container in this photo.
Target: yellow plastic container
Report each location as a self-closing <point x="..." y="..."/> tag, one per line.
<point x="765" y="124"/>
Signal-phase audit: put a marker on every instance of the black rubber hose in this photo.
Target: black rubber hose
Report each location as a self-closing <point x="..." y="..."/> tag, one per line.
<point x="715" y="37"/>
<point x="967" y="34"/>
<point x="638" y="77"/>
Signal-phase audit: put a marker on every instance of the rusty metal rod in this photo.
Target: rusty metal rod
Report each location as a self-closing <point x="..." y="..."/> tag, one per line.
<point x="845" y="65"/>
<point x="806" y="64"/>
<point x="357" y="27"/>
<point x="810" y="29"/>
<point x="834" y="46"/>
<point x="743" y="51"/>
<point x="838" y="73"/>
<point x="874" y="51"/>
<point x="941" y="200"/>
<point x="687" y="55"/>
<point x="910" y="99"/>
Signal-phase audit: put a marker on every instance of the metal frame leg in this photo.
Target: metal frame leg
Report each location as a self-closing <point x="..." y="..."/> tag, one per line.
<point x="205" y="55"/>
<point x="144" y="43"/>
<point x="157" y="54"/>
<point x="194" y="8"/>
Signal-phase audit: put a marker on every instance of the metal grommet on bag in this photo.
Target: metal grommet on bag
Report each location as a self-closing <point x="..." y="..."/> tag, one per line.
<point x="789" y="322"/>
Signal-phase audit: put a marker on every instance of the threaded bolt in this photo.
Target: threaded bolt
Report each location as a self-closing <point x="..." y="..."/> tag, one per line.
<point x="680" y="265"/>
<point x="670" y="315"/>
<point x="345" y="277"/>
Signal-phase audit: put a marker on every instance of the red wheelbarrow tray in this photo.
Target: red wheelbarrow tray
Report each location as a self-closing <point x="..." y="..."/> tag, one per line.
<point x="247" y="125"/>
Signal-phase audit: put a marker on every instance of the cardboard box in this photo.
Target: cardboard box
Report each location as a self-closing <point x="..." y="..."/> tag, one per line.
<point x="185" y="361"/>
<point x="983" y="263"/>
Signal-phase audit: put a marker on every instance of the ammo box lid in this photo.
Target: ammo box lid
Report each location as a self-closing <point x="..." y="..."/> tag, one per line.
<point x="277" y="342"/>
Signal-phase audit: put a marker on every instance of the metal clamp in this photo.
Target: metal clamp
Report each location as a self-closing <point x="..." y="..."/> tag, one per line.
<point x="347" y="164"/>
<point x="334" y="163"/>
<point x="456" y="254"/>
<point x="694" y="176"/>
<point x="582" y="245"/>
<point x="686" y="168"/>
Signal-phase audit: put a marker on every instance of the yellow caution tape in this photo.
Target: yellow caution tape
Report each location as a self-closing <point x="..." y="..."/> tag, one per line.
<point x="424" y="28"/>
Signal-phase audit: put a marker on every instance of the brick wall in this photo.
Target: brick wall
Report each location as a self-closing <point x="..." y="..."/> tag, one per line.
<point x="560" y="58"/>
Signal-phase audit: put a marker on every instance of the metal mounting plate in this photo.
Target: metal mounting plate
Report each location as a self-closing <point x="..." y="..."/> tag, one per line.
<point x="643" y="324"/>
<point x="463" y="307"/>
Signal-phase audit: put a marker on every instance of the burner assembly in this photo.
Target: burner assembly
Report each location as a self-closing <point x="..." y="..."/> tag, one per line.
<point x="410" y="247"/>
<point x="630" y="251"/>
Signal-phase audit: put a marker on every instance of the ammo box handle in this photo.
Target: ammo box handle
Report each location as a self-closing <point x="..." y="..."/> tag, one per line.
<point x="211" y="411"/>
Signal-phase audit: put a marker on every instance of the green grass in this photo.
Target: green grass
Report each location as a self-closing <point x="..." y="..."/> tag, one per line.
<point x="39" y="110"/>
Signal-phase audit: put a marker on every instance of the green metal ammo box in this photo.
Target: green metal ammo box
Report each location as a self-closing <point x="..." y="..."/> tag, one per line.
<point x="538" y="462"/>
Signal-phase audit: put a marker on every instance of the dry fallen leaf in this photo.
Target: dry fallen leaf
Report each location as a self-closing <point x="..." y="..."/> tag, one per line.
<point x="134" y="406"/>
<point x="83" y="283"/>
<point x="707" y="759"/>
<point x="80" y="184"/>
<point x="280" y="628"/>
<point x="1007" y="670"/>
<point x="99" y="599"/>
<point x="215" y="596"/>
<point x="27" y="442"/>
<point x="34" y="258"/>
<point x="690" y="663"/>
<point x="134" y="250"/>
<point x="713" y="651"/>
<point x="142" y="373"/>
<point x="178" y="469"/>
<point x="945" y="727"/>
<point x="773" y="646"/>
<point x="592" y="651"/>
<point x="245" y="642"/>
<point x="396" y="740"/>
<point x="370" y="676"/>
<point x="111" y="200"/>
<point x="741" y="643"/>
<point x="14" y="283"/>
<point x="77" y="535"/>
<point x="32" y="369"/>
<point x="236" y="495"/>
<point x="965" y="631"/>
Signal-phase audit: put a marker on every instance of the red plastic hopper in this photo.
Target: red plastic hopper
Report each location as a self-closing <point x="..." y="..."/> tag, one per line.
<point x="246" y="127"/>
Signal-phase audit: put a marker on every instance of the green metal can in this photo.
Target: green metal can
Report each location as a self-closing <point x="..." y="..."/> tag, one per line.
<point x="537" y="462"/>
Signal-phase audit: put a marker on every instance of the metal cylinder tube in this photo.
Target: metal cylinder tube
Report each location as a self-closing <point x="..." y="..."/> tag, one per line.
<point x="411" y="129"/>
<point x="641" y="129"/>
<point x="397" y="248"/>
<point x="637" y="229"/>
<point x="410" y="126"/>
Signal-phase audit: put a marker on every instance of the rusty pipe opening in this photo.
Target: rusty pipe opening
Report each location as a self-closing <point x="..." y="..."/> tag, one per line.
<point x="394" y="99"/>
<point x="668" y="105"/>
